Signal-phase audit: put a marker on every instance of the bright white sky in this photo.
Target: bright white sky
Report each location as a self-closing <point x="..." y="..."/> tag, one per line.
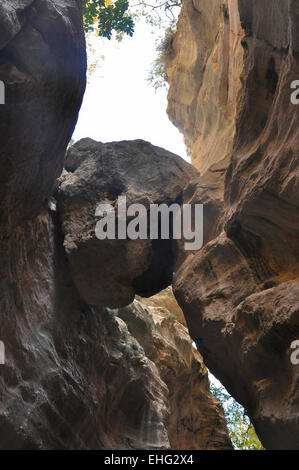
<point x="119" y="103"/>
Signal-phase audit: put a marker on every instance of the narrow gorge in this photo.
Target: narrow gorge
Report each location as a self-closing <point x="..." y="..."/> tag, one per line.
<point x="108" y="343"/>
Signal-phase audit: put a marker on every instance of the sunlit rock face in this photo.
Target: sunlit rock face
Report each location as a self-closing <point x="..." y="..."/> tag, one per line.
<point x="42" y="64"/>
<point x="196" y="419"/>
<point x="165" y="300"/>
<point x="204" y="72"/>
<point x="240" y="292"/>
<point x="109" y="272"/>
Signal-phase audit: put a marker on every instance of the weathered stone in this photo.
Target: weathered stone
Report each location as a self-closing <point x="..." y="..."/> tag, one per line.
<point x="204" y="76"/>
<point x="77" y="153"/>
<point x="196" y="418"/>
<point x="165" y="300"/>
<point x="74" y="377"/>
<point x="240" y="292"/>
<point x="110" y="272"/>
<point x="42" y="64"/>
<point x="73" y="374"/>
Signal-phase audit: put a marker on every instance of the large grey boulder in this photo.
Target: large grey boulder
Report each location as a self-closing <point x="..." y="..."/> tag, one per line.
<point x="111" y="272"/>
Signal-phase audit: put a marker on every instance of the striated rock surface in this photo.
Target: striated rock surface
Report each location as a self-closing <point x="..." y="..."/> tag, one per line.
<point x="42" y="64"/>
<point x="240" y="292"/>
<point x="204" y="76"/>
<point x="74" y="376"/>
<point x="196" y="418"/>
<point x="165" y="300"/>
<point x="74" y="370"/>
<point x="110" y="272"/>
<point x="72" y="373"/>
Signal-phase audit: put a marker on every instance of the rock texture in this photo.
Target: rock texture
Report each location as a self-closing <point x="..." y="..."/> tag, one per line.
<point x="74" y="369"/>
<point x="74" y="376"/>
<point x="72" y="373"/>
<point x="240" y="292"/>
<point x="42" y="64"/>
<point x="196" y="419"/>
<point x="110" y="272"/>
<point x="165" y="300"/>
<point x="204" y="72"/>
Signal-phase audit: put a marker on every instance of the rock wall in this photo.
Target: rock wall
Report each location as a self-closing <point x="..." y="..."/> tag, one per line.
<point x="42" y="64"/>
<point x="141" y="174"/>
<point x="75" y="369"/>
<point x="196" y="419"/>
<point x="230" y="74"/>
<point x="204" y="76"/>
<point x="73" y="373"/>
<point x="74" y="376"/>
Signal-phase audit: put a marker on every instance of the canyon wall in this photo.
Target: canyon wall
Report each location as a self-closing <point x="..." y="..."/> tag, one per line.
<point x="196" y="419"/>
<point x="85" y="366"/>
<point x="74" y="376"/>
<point x="230" y="73"/>
<point x="70" y="369"/>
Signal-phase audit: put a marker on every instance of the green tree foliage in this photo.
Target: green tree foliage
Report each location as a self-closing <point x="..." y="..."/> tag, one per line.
<point x="157" y="76"/>
<point x="241" y="430"/>
<point x="107" y="16"/>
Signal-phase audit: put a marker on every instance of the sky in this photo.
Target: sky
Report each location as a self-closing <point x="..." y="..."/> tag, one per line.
<point x="119" y="103"/>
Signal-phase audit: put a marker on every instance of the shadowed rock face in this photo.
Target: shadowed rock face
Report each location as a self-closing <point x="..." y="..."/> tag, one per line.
<point x="73" y="374"/>
<point x="196" y="418"/>
<point x="240" y="292"/>
<point x="74" y="371"/>
<point x="110" y="272"/>
<point x="71" y="371"/>
<point x="42" y="64"/>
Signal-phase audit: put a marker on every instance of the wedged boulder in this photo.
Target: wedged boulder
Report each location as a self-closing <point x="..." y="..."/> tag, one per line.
<point x="110" y="272"/>
<point x="43" y="66"/>
<point x="239" y="293"/>
<point x="196" y="420"/>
